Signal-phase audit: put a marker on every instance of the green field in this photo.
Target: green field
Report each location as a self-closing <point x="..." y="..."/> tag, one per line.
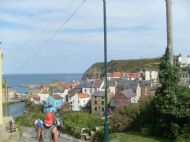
<point x="134" y="137"/>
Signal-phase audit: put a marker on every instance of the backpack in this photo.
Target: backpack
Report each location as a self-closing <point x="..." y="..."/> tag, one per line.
<point x="47" y="133"/>
<point x="38" y="123"/>
<point x="58" y="122"/>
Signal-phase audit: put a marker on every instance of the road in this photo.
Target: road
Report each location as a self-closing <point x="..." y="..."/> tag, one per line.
<point x="29" y="136"/>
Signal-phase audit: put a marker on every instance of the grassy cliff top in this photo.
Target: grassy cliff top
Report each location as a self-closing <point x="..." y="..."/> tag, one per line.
<point x="132" y="65"/>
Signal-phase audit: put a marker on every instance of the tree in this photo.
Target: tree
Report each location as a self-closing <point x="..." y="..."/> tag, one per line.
<point x="172" y="101"/>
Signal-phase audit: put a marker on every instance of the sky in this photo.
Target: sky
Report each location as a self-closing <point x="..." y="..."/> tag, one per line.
<point x="43" y="36"/>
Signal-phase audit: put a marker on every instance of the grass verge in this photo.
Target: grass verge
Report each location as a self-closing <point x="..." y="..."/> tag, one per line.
<point x="134" y="137"/>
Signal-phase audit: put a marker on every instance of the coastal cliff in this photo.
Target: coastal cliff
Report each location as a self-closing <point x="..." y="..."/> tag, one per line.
<point x="131" y="65"/>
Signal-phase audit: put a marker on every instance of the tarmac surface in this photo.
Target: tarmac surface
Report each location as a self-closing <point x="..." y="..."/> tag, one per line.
<point x="29" y="136"/>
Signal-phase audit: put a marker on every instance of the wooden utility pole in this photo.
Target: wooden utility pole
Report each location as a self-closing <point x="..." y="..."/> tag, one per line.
<point x="169" y="29"/>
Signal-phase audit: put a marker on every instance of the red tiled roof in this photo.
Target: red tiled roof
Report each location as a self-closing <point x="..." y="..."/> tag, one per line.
<point x="116" y="74"/>
<point x="134" y="75"/>
<point x="83" y="95"/>
<point x="64" y="85"/>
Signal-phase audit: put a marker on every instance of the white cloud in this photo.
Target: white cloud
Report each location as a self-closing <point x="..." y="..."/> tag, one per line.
<point x="133" y="25"/>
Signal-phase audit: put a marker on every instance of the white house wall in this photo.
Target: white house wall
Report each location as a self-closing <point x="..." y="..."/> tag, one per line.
<point x="151" y="75"/>
<point x="138" y="93"/>
<point x="112" y="89"/>
<point x="84" y="101"/>
<point x="75" y="103"/>
<point x="43" y="97"/>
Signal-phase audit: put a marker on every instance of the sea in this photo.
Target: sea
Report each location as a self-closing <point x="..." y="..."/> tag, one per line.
<point x="17" y="81"/>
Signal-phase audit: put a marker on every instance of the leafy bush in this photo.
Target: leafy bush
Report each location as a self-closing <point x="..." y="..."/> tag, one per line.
<point x="74" y="121"/>
<point x="123" y="118"/>
<point x="145" y="119"/>
<point x="99" y="137"/>
<point x="182" y="138"/>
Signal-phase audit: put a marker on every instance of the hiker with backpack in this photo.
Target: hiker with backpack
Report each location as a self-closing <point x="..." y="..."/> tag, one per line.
<point x="38" y="123"/>
<point x="49" y="131"/>
<point x="58" y="123"/>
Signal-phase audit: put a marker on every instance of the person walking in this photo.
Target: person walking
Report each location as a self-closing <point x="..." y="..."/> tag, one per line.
<point x="58" y="123"/>
<point x="38" y="123"/>
<point x="49" y="131"/>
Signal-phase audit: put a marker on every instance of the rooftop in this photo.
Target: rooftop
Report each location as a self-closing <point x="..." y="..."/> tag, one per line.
<point x="83" y="95"/>
<point x="99" y="93"/>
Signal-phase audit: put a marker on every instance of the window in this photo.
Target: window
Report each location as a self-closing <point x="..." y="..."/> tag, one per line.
<point x="95" y="108"/>
<point x="78" y="101"/>
<point x="96" y="102"/>
<point x="102" y="97"/>
<point x="85" y="90"/>
<point x="102" y="102"/>
<point x="102" y="109"/>
<point x="99" y="109"/>
<point x="95" y="97"/>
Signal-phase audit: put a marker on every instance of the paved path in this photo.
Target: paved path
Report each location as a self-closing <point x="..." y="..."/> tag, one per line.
<point x="29" y="136"/>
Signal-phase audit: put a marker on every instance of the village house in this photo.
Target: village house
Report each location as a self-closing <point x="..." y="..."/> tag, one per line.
<point x="184" y="78"/>
<point x="151" y="74"/>
<point x="42" y="97"/>
<point x="111" y="86"/>
<point x="97" y="85"/>
<point x="56" y="85"/>
<point x="71" y="93"/>
<point x="37" y="95"/>
<point x="131" y="95"/>
<point x="130" y="88"/>
<point x="98" y="102"/>
<point x="64" y="85"/>
<point x="68" y="99"/>
<point x="114" y="75"/>
<point x="145" y="87"/>
<point x="123" y="98"/>
<point x="53" y="103"/>
<point x="119" y="100"/>
<point x="79" y="101"/>
<point x="134" y="75"/>
<point x="62" y="92"/>
<point x="86" y="87"/>
<point x="11" y="93"/>
<point x="183" y="61"/>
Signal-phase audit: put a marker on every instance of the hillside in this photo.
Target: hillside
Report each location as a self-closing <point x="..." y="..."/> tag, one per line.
<point x="132" y="65"/>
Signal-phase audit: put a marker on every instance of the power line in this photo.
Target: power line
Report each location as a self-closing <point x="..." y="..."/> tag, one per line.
<point x="51" y="37"/>
<point x="38" y="33"/>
